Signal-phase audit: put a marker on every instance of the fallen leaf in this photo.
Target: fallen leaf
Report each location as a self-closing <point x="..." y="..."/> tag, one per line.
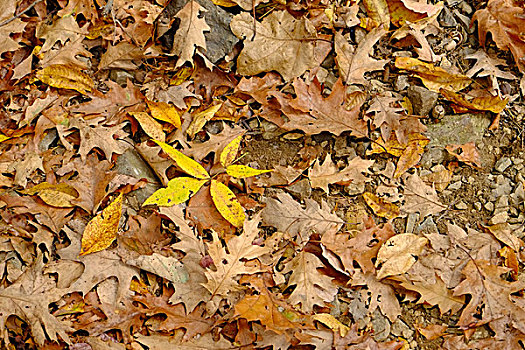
<point x="311" y="287"/>
<point x="149" y="125"/>
<point x="332" y="323"/>
<point x="381" y="295"/>
<point x="434" y="78"/>
<point x="165" y="112"/>
<point x="178" y="190"/>
<point x="432" y="331"/>
<point x="468" y="153"/>
<point x="190" y="34"/>
<point x="381" y="207"/>
<point x="354" y="63"/>
<point x="65" y="77"/>
<point x="321" y="175"/>
<point x="420" y="198"/>
<point x="61" y="30"/>
<point x="378" y="11"/>
<point x="101" y="231"/>
<point x="402" y="11"/>
<point x="57" y="195"/>
<point x="201" y="118"/>
<point x="226" y="203"/>
<point x="229" y="153"/>
<point x="411" y="154"/>
<point x="280" y="42"/>
<point x="398" y="254"/>
<point x="185" y="163"/>
<point x="121" y="56"/>
<point x="494" y="104"/>
<point x="387" y="113"/>
<point x="244" y="171"/>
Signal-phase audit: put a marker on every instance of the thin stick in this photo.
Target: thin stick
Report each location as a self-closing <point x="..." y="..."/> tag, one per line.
<point x="7" y="21"/>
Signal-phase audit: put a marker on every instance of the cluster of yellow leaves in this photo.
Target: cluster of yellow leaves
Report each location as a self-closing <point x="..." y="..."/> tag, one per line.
<point x="180" y="189"/>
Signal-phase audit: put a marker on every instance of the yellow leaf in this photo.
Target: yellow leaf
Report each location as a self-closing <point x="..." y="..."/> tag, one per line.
<point x="101" y="231"/>
<point x="100" y="30"/>
<point x="377" y="10"/>
<point x="380" y="206"/>
<point x="201" y="118"/>
<point x="243" y="171"/>
<point x="64" y="77"/>
<point x="188" y="165"/>
<point x="3" y="137"/>
<point x="434" y="78"/>
<point x="165" y="112"/>
<point x="182" y="75"/>
<point x="489" y="103"/>
<point x="179" y="190"/>
<point x="224" y="3"/>
<point x="229" y="152"/>
<point x="149" y="125"/>
<point x="56" y="195"/>
<point x="392" y="146"/>
<point x="227" y="203"/>
<point x="332" y="323"/>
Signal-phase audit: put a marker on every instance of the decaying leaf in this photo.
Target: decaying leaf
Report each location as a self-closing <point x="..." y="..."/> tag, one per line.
<point x="398" y="254"/>
<point x="489" y="103"/>
<point x="65" y="77"/>
<point x="101" y="231"/>
<point x="434" y="78"/>
<point x="59" y="195"/>
<point x="381" y="207"/>
<point x="332" y="323"/>
<point x="149" y="125"/>
<point x="226" y="203"/>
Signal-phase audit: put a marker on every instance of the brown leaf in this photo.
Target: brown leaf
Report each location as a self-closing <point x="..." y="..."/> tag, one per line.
<point x="311" y="287"/>
<point x="280" y="42"/>
<point x="120" y="56"/>
<point x="420" y="198"/>
<point x="354" y="63"/>
<point x="381" y="207"/>
<point x="504" y="19"/>
<point x="190" y="34"/>
<point x="386" y="114"/>
<point x="321" y="175"/>
<point x="489" y="103"/>
<point x="432" y="331"/>
<point x="468" y="153"/>
<point x="61" y="30"/>
<point x="382" y="295"/>
<point x="398" y="254"/>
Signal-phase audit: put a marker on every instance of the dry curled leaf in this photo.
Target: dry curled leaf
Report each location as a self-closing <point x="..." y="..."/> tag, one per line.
<point x="398" y="254"/>
<point x="488" y="103"/>
<point x="65" y="77"/>
<point x="57" y="195"/>
<point x="381" y="207"/>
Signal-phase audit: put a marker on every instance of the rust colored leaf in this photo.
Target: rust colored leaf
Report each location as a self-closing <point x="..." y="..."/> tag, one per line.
<point x="489" y="103"/>
<point x="467" y="153"/>
<point x="101" y="231"/>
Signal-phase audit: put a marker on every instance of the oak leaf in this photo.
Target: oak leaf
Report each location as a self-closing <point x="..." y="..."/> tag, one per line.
<point x="61" y="30"/>
<point x="505" y="20"/>
<point x="287" y="215"/>
<point x="321" y="175"/>
<point x="280" y="42"/>
<point x="467" y="153"/>
<point x="381" y="207"/>
<point x="216" y="143"/>
<point x="120" y="56"/>
<point x="402" y="11"/>
<point x="312" y="113"/>
<point x="354" y="63"/>
<point x="190" y="34"/>
<point x="420" y="198"/>
<point x="399" y="253"/>
<point x="380" y="295"/>
<point x="311" y="287"/>
<point x="387" y="113"/>
<point x="487" y="66"/>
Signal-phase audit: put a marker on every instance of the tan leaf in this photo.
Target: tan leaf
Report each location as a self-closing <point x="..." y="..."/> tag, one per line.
<point x="378" y="11"/>
<point x="381" y="295"/>
<point x="149" y="125"/>
<point x="403" y="11"/>
<point x="61" y="30"/>
<point x="434" y="78"/>
<point x="321" y="175"/>
<point x="332" y="323"/>
<point x="57" y="195"/>
<point x="387" y="113"/>
<point x="190" y="34"/>
<point x="398" y="254"/>
<point x="120" y="56"/>
<point x="311" y="287"/>
<point x="354" y="63"/>
<point x="420" y="198"/>
<point x="412" y="153"/>
<point x="467" y="153"/>
<point x="280" y="42"/>
<point x="101" y="231"/>
<point x="432" y="331"/>
<point x="65" y="77"/>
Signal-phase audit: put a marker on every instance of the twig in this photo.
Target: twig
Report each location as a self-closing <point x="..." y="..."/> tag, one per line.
<point x="7" y="21"/>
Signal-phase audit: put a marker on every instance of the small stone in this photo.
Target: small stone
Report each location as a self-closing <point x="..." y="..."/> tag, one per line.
<point x="489" y="206"/>
<point x="465" y="7"/>
<point x="502" y="164"/>
<point x="461" y="206"/>
<point x="423" y="100"/>
<point x="477" y="206"/>
<point x="401" y="83"/>
<point x="499" y="218"/>
<point x="400" y="328"/>
<point x="446" y="19"/>
<point x="411" y="222"/>
<point x="502" y="204"/>
<point x="455" y="186"/>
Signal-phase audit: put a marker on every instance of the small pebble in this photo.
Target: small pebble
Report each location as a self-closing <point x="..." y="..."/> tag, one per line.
<point x="502" y="164"/>
<point x="461" y="206"/>
<point x="489" y="206"/>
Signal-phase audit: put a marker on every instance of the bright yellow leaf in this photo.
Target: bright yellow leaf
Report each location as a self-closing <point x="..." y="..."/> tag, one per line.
<point x="229" y="152"/>
<point x="101" y="231"/>
<point x="165" y="112"/>
<point x="243" y="171"/>
<point x="3" y="137"/>
<point x="56" y="195"/>
<point x="182" y="75"/>
<point x="188" y="165"/>
<point x="201" y="118"/>
<point x="179" y="190"/>
<point x="227" y="203"/>
<point x="65" y="77"/>
<point x="151" y="127"/>
<point x="332" y="323"/>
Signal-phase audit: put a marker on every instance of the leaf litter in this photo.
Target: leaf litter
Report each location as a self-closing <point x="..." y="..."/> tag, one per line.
<point x="281" y="196"/>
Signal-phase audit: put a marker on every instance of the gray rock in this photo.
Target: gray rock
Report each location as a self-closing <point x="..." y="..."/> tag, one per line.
<point x="446" y="18"/>
<point x="131" y="163"/>
<point x="401" y="329"/>
<point x="457" y="130"/>
<point x="433" y="155"/>
<point x="380" y="325"/>
<point x="502" y="164"/>
<point x="455" y="186"/>
<point x="301" y="189"/>
<point x="502" y="187"/>
<point x="423" y="100"/>
<point x="499" y="218"/>
<point x="412" y="219"/>
<point x="401" y="83"/>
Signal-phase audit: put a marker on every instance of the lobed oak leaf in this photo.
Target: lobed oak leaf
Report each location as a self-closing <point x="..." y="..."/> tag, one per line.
<point x="101" y="231"/>
<point x="68" y="55"/>
<point x="386" y="114"/>
<point x="85" y="7"/>
<point x="280" y="42"/>
<point x="312" y="113"/>
<point x="61" y="30"/>
<point x="361" y="247"/>
<point x="487" y="66"/>
<point x="120" y="56"/>
<point x="15" y="25"/>
<point x="420" y="198"/>
<point x="311" y="287"/>
<point x="190" y="34"/>
<point x="287" y="215"/>
<point x="321" y="175"/>
<point x="505" y="20"/>
<point x="354" y="63"/>
<point x="380" y="295"/>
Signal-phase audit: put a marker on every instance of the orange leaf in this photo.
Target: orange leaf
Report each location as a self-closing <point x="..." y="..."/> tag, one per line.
<point x="489" y="103"/>
<point x="381" y="207"/>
